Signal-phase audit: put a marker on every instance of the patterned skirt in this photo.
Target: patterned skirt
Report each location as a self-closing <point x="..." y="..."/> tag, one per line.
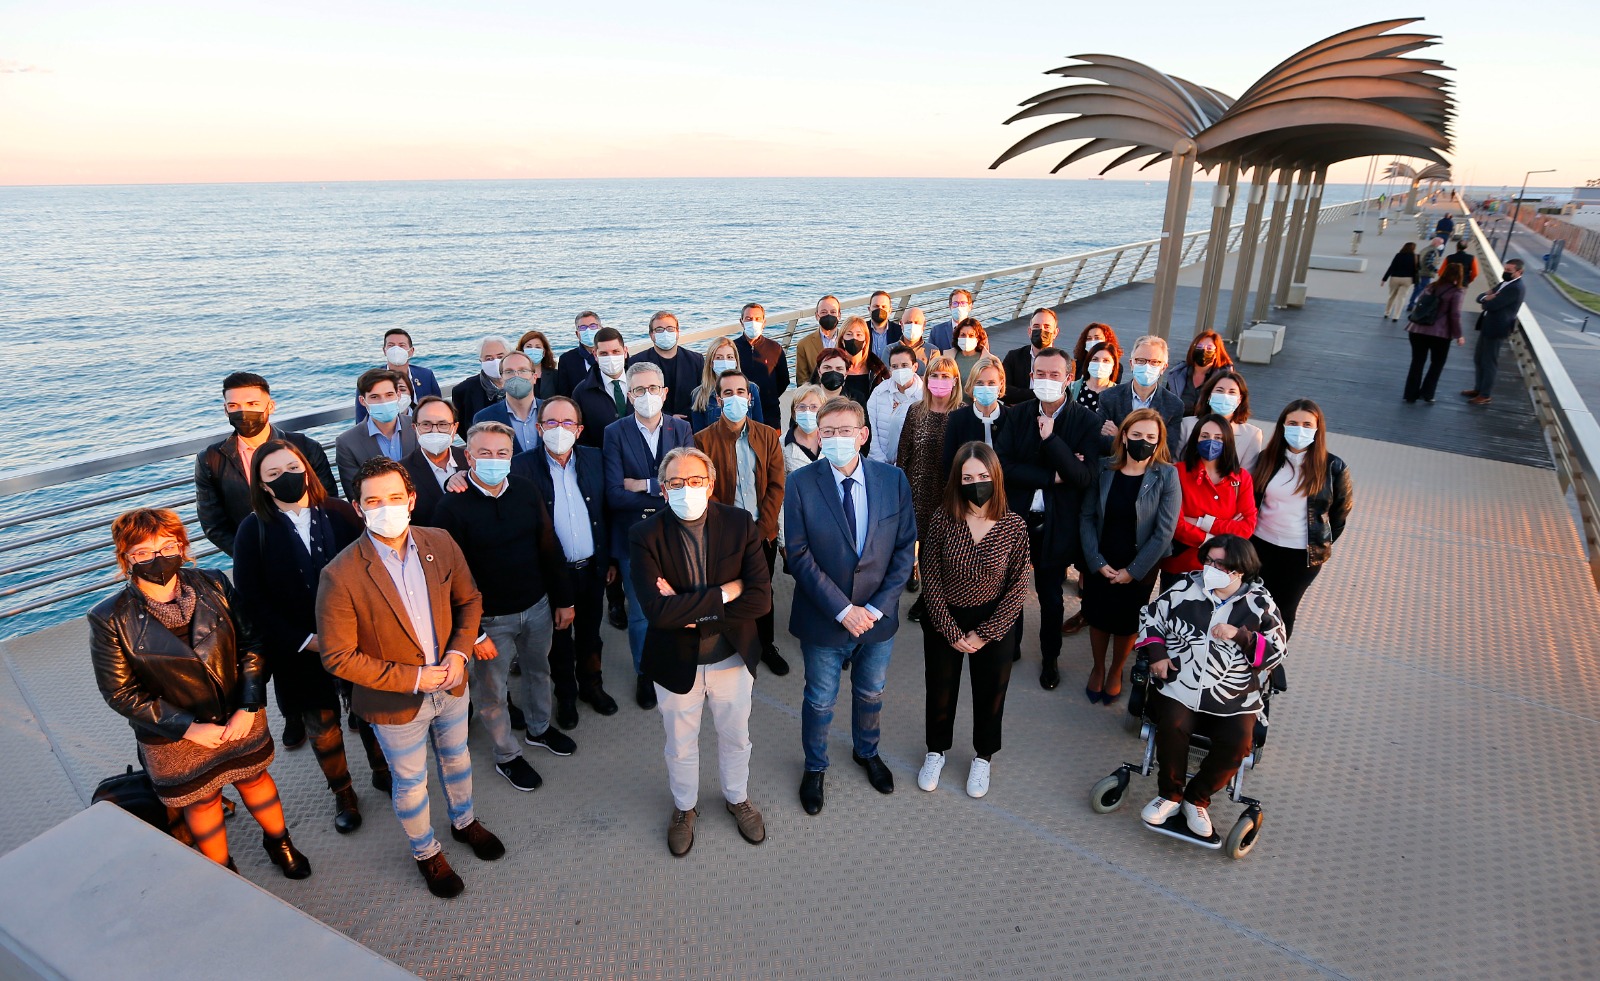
<point x="187" y="773"/>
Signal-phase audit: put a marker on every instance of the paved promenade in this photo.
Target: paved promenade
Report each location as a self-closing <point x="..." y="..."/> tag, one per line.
<point x="1430" y="804"/>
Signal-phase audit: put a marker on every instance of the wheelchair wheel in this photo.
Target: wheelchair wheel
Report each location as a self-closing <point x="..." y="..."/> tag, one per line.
<point x="1109" y="793"/>
<point x="1246" y="831"/>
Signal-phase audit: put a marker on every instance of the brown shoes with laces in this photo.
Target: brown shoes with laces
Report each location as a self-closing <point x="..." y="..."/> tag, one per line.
<point x="680" y="833"/>
<point x="751" y="827"/>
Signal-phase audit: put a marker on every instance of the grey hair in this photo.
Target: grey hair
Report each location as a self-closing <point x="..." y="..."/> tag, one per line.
<point x="640" y="367"/>
<point x="484" y="342"/>
<point x="498" y="428"/>
<point x="673" y="456"/>
<point x="1160" y="342"/>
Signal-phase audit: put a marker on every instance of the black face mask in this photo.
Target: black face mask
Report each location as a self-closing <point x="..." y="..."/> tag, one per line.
<point x="978" y="492"/>
<point x="880" y="316"/>
<point x="833" y="380"/>
<point x="828" y="322"/>
<point x="1140" y="449"/>
<point x="1203" y="357"/>
<point x="247" y="424"/>
<point x="288" y="486"/>
<point x="851" y="346"/>
<point x="159" y="570"/>
<point x="1036" y="338"/>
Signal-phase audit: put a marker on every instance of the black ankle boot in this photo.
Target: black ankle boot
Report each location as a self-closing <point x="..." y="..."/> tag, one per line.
<point x="232" y="867"/>
<point x="347" y="810"/>
<point x="286" y="857"/>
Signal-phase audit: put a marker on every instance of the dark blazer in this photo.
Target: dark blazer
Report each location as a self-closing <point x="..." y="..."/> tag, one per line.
<point x="821" y="556"/>
<point x="423" y="384"/>
<point x="1159" y="505"/>
<point x="1500" y="313"/>
<point x="158" y="681"/>
<point x="535" y="465"/>
<point x="1018" y="365"/>
<point x="471" y="396"/>
<point x="681" y="373"/>
<point x="1403" y="266"/>
<point x="766" y="367"/>
<point x="222" y="488"/>
<point x="572" y="368"/>
<point x="1032" y="464"/>
<point x="628" y="457"/>
<point x="598" y="407"/>
<point x="1117" y="401"/>
<point x="678" y="623"/>
<point x="355" y="446"/>
<point x="429" y="493"/>
<point x="941" y="336"/>
<point x="961" y="425"/>
<point x="501" y="412"/>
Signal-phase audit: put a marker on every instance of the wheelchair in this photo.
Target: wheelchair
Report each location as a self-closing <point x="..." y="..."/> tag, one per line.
<point x="1110" y="793"/>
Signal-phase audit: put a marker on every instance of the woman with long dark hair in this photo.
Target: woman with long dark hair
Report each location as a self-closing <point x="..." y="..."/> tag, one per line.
<point x="1226" y="394"/>
<point x="1206" y="356"/>
<point x="1218" y="495"/>
<point x="1431" y="327"/>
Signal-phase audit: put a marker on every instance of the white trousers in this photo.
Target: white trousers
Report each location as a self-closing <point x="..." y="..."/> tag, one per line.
<point x="726" y="687"/>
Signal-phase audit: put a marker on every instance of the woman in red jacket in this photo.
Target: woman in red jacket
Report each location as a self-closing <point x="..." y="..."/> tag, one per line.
<point x="1218" y="496"/>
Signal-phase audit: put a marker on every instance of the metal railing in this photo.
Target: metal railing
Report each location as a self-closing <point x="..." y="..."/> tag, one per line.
<point x="65" y="543"/>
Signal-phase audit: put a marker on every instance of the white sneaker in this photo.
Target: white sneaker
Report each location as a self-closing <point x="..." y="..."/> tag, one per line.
<point x="1199" y="819"/>
<point x="978" y="778"/>
<point x="1159" y="810"/>
<point x="932" y="766"/>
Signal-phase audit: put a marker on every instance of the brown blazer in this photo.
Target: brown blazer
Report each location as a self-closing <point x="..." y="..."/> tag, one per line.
<point x="367" y="638"/>
<point x="720" y="443"/>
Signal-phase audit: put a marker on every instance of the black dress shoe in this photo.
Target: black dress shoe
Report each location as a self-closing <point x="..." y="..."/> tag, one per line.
<point x="518" y="720"/>
<point x="294" y="732"/>
<point x="483" y="841"/>
<point x="915" y="613"/>
<point x="567" y="713"/>
<point x="346" y="811"/>
<point x="617" y="617"/>
<point x="811" y="791"/>
<point x="382" y="781"/>
<point x="1049" y="675"/>
<point x="877" y="774"/>
<point x="441" y="878"/>
<point x="644" y="692"/>
<point x="774" y="661"/>
<point x="286" y="857"/>
<point x="598" y="700"/>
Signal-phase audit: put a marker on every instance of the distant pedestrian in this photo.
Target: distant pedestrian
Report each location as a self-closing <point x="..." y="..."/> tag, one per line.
<point x="1500" y="308"/>
<point x="1435" y="322"/>
<point x="1467" y="261"/>
<point x="1401" y="276"/>
<point x="1427" y="268"/>
<point x="1445" y="228"/>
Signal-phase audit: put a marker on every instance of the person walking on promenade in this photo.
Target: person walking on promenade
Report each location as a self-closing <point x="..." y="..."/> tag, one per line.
<point x="1467" y="261"/>
<point x="921" y="453"/>
<point x="1428" y="264"/>
<point x="1400" y="277"/>
<point x="1501" y="306"/>
<point x="1218" y="495"/>
<point x="1435" y="321"/>
<point x="764" y="362"/>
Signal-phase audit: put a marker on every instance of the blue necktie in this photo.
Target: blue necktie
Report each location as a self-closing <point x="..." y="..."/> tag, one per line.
<point x="850" y="513"/>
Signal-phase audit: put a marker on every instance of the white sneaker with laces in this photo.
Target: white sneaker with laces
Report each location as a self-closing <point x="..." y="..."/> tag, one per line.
<point x="978" y="778"/>
<point x="1199" y="819"/>
<point x="928" y="776"/>
<point x="1159" y="810"/>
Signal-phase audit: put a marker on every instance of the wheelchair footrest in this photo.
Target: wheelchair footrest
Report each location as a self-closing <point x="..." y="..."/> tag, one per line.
<point x="1177" y="827"/>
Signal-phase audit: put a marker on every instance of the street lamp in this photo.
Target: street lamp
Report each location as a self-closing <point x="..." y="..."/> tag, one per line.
<point x="1517" y="213"/>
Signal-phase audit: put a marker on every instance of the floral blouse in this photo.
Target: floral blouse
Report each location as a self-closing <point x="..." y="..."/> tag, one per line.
<point x="1217" y="677"/>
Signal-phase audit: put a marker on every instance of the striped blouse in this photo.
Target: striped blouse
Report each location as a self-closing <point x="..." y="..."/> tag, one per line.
<point x="956" y="571"/>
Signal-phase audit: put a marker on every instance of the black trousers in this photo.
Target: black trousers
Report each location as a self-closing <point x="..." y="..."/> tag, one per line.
<point x="369" y="739"/>
<point x="1287" y="577"/>
<point x="575" y="651"/>
<point x="990" y="670"/>
<point x="1433" y="350"/>
<point x="1231" y="736"/>
<point x="764" y="623"/>
<point x="615" y="595"/>
<point x="1049" y="576"/>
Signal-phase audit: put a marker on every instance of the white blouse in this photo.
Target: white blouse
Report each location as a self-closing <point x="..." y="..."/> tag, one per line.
<point x="1281" y="519"/>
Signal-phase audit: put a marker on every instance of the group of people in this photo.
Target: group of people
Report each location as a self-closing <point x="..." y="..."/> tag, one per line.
<point x="474" y="540"/>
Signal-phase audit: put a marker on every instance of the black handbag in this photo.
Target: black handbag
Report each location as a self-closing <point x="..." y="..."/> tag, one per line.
<point x="133" y="792"/>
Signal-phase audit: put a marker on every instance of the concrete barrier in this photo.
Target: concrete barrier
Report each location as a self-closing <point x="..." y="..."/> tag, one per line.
<point x="1339" y="263"/>
<point x="1256" y="346"/>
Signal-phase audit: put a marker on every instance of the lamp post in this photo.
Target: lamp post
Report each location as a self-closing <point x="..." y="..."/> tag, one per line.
<point x="1517" y="211"/>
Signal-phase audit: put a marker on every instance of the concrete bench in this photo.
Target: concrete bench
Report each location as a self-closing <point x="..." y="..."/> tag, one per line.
<point x="1339" y="263"/>
<point x="1257" y="346"/>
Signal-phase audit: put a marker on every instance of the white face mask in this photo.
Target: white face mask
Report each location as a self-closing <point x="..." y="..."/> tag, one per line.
<point x="435" y="443"/>
<point x="912" y="333"/>
<point x="490" y="367"/>
<point x="1101" y="369"/>
<point x="1048" y="389"/>
<point x="967" y="344"/>
<point x="723" y="364"/>
<point x="688" y="503"/>
<point x="647" y="406"/>
<point x="396" y="355"/>
<point x="559" y="440"/>
<point x="534" y="352"/>
<point x="1215" y="579"/>
<point x="903" y="376"/>
<point x="960" y="312"/>
<point x="753" y="328"/>
<point x="611" y="365"/>
<point x="389" y="521"/>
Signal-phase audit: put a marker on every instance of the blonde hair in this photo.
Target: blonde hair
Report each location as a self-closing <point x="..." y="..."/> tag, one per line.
<point x="987" y="361"/>
<point x="805" y="390"/>
<point x="945" y="362"/>
<point x="708" y="375"/>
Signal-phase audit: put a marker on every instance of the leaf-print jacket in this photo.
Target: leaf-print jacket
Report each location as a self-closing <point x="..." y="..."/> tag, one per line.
<point x="1217" y="677"/>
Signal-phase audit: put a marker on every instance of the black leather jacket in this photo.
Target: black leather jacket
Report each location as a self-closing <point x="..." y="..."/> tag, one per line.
<point x="1326" y="511"/>
<point x="161" y="683"/>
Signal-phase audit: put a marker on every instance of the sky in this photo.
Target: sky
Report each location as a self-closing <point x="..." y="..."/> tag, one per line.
<point x="188" y="91"/>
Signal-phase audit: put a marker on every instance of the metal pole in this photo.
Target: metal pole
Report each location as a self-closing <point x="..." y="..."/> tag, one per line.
<point x="1178" y="182"/>
<point x="1247" y="252"/>
<point x="1217" y="249"/>
<point x="1269" y="259"/>
<point x="1291" y="240"/>
<point x="1517" y="211"/>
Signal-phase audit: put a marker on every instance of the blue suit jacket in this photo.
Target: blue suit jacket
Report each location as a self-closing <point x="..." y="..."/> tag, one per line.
<point x="828" y="574"/>
<point x="627" y="457"/>
<point x="501" y="412"/>
<point x="535" y="465"/>
<point x="423" y="383"/>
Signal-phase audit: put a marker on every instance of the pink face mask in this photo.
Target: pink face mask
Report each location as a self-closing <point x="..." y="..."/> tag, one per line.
<point x="941" y="387"/>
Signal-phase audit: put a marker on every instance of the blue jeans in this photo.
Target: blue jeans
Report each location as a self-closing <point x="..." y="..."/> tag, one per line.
<point x="869" y="669"/>
<point x="526" y="637"/>
<point x="442" y="721"/>
<point x="637" y="624"/>
<point x="1421" y="284"/>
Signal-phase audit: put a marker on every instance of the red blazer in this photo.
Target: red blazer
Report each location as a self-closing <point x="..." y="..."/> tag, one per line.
<point x="1231" y="504"/>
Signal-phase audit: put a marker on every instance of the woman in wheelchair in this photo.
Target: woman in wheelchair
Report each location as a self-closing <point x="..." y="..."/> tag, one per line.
<point x="1211" y="640"/>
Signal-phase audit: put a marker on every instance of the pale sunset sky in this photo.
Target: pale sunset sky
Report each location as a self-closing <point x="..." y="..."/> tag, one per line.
<point x="186" y="91"/>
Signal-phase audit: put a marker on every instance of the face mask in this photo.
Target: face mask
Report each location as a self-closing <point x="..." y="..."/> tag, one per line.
<point x="985" y="395"/>
<point x="666" y="340"/>
<point x="1215" y="579"/>
<point x="806" y="419"/>
<point x="288" y="487"/>
<point x="559" y="440"/>
<point x="1146" y="374"/>
<point x="833" y="380"/>
<point x="688" y="503"/>
<point x="735" y="407"/>
<point x="247" y="424"/>
<point x="435" y="443"/>
<point x="840" y="450"/>
<point x="902" y="376"/>
<point x="491" y="471"/>
<point x="1299" y="437"/>
<point x="941" y="387"/>
<point x="157" y="570"/>
<point x="586" y="336"/>
<point x="1100" y="370"/>
<point x="519" y="387"/>
<point x="880" y="316"/>
<point x="828" y="322"/>
<point x="490" y="367"/>
<point x="911" y="333"/>
<point x="611" y="365"/>
<point x="396" y="355"/>
<point x="535" y="353"/>
<point x="752" y="328"/>
<point x="647" y="406"/>
<point x="723" y="364"/>
<point x="1048" y="389"/>
<point x="978" y="492"/>
<point x="851" y="346"/>
<point x="1203" y="356"/>
<point x="1222" y="403"/>
<point x="1210" y="449"/>
<point x="1036" y="338"/>
<point x="384" y="412"/>
<point x="1140" y="449"/>
<point x="967" y="344"/>
<point x="389" y="521"/>
<point x="959" y="312"/>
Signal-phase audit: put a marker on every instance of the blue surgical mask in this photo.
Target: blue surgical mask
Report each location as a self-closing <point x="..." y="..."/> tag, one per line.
<point x="985" y="395"/>
<point x="1299" y="437"/>
<point x="535" y="353"/>
<point x="806" y="419"/>
<point x="735" y="407"/>
<point x="666" y="340"/>
<point x="840" y="450"/>
<point x="586" y="336"/>
<point x="384" y="412"/>
<point x="1210" y="449"/>
<point x="491" y="472"/>
<point x="752" y="328"/>
<point x="1223" y="404"/>
<point x="1146" y="374"/>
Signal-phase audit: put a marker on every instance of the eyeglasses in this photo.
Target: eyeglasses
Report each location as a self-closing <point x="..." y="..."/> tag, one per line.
<point x="568" y="425"/>
<point x="517" y="373"/>
<point x="145" y="555"/>
<point x="1149" y="362"/>
<point x="434" y="427"/>
<point x="678" y="483"/>
<point x="646" y="390"/>
<point x="839" y="431"/>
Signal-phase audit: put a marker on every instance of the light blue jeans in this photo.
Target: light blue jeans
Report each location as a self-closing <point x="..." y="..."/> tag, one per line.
<point x="526" y="637"/>
<point x="637" y="624"/>
<point x="869" y="671"/>
<point x="442" y="721"/>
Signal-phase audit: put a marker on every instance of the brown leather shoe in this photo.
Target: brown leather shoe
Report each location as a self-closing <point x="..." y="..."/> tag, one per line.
<point x="483" y="842"/>
<point x="751" y="827"/>
<point x="441" y="878"/>
<point x="680" y="833"/>
<point x="1469" y="393"/>
<point x="1074" y="623"/>
<point x="1480" y="400"/>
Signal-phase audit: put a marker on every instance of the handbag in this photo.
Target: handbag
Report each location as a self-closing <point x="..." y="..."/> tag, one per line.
<point x="133" y="791"/>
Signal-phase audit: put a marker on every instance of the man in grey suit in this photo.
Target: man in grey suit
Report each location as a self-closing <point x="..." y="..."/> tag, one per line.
<point x="1143" y="391"/>
<point x="386" y="432"/>
<point x="1500" y="308"/>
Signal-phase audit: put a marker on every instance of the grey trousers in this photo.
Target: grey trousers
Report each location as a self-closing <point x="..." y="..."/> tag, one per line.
<point x="525" y="636"/>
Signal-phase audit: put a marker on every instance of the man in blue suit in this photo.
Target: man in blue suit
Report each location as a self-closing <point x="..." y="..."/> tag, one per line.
<point x="633" y="448"/>
<point x="397" y="352"/>
<point x="1501" y="306"/>
<point x="851" y="542"/>
<point x="520" y="408"/>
